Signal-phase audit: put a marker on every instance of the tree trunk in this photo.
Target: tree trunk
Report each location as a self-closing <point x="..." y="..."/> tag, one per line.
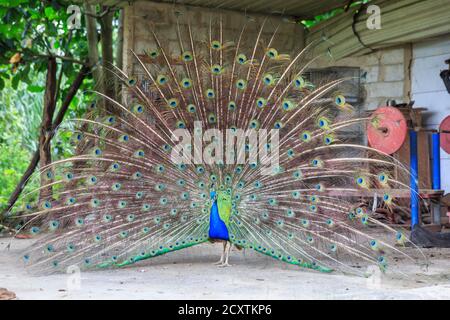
<point x="92" y="37"/>
<point x="119" y="48"/>
<point x="76" y="84"/>
<point x="107" y="56"/>
<point x="119" y="53"/>
<point x="58" y="119"/>
<point x="46" y="126"/>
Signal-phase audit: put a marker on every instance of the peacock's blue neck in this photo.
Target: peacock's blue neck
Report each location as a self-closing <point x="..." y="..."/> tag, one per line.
<point x="217" y="228"/>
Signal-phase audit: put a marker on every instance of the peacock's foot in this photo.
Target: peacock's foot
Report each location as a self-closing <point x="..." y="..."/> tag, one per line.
<point x="218" y="263"/>
<point x="223" y="265"/>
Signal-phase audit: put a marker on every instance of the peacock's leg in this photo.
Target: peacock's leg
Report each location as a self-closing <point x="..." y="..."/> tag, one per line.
<point x="223" y="254"/>
<point x="227" y="254"/>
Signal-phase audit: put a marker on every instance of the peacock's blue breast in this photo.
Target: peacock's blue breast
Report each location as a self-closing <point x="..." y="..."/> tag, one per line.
<point x="217" y="228"/>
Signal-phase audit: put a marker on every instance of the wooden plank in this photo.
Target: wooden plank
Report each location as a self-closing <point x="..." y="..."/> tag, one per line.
<point x="424" y="169"/>
<point x="305" y="9"/>
<point x="423" y="150"/>
<point x="407" y="72"/>
<point x="396" y="193"/>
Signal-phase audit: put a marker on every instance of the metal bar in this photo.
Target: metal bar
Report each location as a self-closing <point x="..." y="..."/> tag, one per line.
<point x="436" y="161"/>
<point x="436" y="152"/>
<point x="413" y="160"/>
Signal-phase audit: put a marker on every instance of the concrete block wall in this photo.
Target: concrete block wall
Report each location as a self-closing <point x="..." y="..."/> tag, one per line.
<point x="382" y="75"/>
<point x="404" y="73"/>
<point x="143" y="16"/>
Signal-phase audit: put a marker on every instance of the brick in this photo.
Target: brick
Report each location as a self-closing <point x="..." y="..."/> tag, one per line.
<point x="371" y="74"/>
<point x="392" y="56"/>
<point x="384" y="89"/>
<point x="393" y="72"/>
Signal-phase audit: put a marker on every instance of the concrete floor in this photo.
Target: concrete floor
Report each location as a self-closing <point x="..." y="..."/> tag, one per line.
<point x="189" y="274"/>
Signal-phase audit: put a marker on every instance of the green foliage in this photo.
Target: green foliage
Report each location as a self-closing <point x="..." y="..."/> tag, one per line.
<point x="30" y="31"/>
<point x="330" y="14"/>
<point x="14" y="161"/>
<point x="20" y="115"/>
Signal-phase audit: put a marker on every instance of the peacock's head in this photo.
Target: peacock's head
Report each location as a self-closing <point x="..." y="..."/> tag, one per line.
<point x="224" y="204"/>
<point x="224" y="197"/>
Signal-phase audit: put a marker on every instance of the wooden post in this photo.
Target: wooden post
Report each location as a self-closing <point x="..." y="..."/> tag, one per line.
<point x="407" y="66"/>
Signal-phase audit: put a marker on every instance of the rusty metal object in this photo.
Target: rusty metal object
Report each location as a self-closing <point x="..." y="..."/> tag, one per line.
<point x="444" y="129"/>
<point x="387" y="130"/>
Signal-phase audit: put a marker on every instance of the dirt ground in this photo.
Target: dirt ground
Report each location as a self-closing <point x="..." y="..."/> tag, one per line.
<point x="189" y="274"/>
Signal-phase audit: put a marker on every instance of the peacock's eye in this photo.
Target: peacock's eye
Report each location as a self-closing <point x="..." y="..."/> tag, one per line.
<point x="287" y="105"/>
<point x="212" y="118"/>
<point x="216" y="69"/>
<point x="254" y="124"/>
<point x="187" y="56"/>
<point x="299" y="82"/>
<point x="261" y="102"/>
<point x="172" y="103"/>
<point x="241" y="84"/>
<point x="153" y="53"/>
<point x="339" y="100"/>
<point x="186" y="83"/>
<point x="216" y="45"/>
<point x="241" y="58"/>
<point x="272" y="53"/>
<point x="268" y="79"/>
<point x="210" y="94"/>
<point x="161" y="79"/>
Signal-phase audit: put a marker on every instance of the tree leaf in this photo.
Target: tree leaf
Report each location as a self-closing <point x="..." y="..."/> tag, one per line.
<point x="15" y="82"/>
<point x="50" y="13"/>
<point x="12" y="3"/>
<point x="33" y="88"/>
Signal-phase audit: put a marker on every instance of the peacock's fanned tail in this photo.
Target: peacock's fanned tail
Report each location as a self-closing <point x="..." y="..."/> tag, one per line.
<point x="121" y="198"/>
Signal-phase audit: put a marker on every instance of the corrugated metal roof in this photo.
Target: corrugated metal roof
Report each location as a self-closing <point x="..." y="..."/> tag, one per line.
<point x="296" y="8"/>
<point x="402" y="21"/>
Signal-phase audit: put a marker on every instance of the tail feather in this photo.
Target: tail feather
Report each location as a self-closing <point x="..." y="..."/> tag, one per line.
<point x="120" y="198"/>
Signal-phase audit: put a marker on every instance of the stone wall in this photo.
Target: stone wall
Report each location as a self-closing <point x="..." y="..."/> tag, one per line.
<point x="142" y="17"/>
<point x="382" y="75"/>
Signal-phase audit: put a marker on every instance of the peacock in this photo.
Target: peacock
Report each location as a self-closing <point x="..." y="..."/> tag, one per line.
<point x="157" y="171"/>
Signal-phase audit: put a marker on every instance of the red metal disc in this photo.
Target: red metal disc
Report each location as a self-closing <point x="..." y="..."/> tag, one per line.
<point x="387" y="130"/>
<point x="445" y="137"/>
